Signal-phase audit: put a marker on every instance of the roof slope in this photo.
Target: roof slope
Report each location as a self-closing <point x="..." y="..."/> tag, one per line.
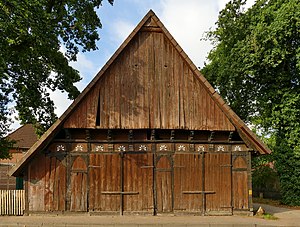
<point x="24" y="136"/>
<point x="89" y="110"/>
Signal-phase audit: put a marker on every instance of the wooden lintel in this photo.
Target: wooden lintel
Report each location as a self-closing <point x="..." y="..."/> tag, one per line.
<point x="145" y="141"/>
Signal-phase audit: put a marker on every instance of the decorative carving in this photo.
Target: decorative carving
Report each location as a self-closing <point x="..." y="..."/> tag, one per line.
<point x="201" y="148"/>
<point x="181" y="148"/>
<point x="172" y="135"/>
<point x="153" y="134"/>
<point x="142" y="148"/>
<point x="230" y="136"/>
<point x="121" y="148"/>
<point x="130" y="135"/>
<point x="220" y="148"/>
<point x="60" y="147"/>
<point x="237" y="148"/>
<point x="192" y="133"/>
<point x="87" y="134"/>
<point x="99" y="148"/>
<point x="212" y="136"/>
<point x="163" y="147"/>
<point x="79" y="148"/>
<point x="109" y="134"/>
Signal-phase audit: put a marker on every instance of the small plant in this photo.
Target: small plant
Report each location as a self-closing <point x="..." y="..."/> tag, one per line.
<point x="268" y="216"/>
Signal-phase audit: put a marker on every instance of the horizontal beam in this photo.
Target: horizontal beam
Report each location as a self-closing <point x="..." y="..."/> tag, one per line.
<point x="198" y="192"/>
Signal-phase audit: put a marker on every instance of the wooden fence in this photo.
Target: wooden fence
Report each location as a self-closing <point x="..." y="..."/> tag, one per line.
<point x="12" y="202"/>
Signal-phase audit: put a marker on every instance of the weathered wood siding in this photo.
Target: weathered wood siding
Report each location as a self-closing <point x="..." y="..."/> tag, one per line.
<point x="149" y="85"/>
<point x="143" y="176"/>
<point x="240" y="178"/>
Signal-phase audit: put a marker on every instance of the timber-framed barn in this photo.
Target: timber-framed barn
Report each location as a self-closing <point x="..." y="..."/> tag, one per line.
<point x="148" y="135"/>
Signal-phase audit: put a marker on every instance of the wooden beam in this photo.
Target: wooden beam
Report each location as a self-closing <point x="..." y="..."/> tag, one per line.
<point x="212" y="136"/>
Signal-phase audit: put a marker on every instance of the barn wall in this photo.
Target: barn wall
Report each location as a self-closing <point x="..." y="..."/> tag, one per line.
<point x="149" y="85"/>
<point x="143" y="176"/>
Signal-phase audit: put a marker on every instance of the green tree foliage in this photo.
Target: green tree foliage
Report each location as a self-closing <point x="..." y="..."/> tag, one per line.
<point x="31" y="63"/>
<point x="255" y="65"/>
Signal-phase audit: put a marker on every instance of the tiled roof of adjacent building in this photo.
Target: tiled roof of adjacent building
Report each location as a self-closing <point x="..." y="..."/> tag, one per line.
<point x="24" y="136"/>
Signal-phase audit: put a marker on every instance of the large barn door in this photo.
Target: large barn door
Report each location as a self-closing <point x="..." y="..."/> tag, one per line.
<point x="164" y="184"/>
<point x="78" y="185"/>
<point x="121" y="182"/>
<point x="218" y="183"/>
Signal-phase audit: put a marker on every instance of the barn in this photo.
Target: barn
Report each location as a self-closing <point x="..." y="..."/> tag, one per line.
<point x="148" y="135"/>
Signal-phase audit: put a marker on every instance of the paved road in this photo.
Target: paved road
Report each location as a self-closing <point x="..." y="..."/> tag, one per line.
<point x="286" y="217"/>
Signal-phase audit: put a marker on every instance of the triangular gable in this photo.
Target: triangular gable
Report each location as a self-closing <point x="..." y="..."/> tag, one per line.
<point x="192" y="77"/>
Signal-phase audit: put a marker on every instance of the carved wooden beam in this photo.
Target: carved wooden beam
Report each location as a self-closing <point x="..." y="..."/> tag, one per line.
<point x="212" y="136"/>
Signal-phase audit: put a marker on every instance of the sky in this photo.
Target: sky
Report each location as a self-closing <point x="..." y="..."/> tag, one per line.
<point x="186" y="20"/>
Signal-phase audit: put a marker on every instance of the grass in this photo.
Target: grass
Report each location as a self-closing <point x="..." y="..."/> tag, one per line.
<point x="268" y="216"/>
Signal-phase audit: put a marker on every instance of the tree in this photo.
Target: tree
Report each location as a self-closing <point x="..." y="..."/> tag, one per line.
<point x="255" y="65"/>
<point x="31" y="63"/>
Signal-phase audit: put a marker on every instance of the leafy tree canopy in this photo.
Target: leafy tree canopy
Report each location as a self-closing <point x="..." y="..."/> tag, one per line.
<point x="31" y="63"/>
<point x="255" y="65"/>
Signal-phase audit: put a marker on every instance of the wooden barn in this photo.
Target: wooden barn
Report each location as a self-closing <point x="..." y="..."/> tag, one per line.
<point x="148" y="135"/>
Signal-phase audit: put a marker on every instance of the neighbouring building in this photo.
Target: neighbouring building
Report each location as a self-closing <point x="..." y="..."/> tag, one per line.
<point x="24" y="138"/>
<point x="148" y="135"/>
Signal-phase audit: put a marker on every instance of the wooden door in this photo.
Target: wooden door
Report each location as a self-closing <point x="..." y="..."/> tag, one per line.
<point x="218" y="183"/>
<point x="164" y="184"/>
<point x="137" y="181"/>
<point x="188" y="183"/>
<point x="240" y="183"/>
<point x="78" y="185"/>
<point x="55" y="184"/>
<point x="104" y="177"/>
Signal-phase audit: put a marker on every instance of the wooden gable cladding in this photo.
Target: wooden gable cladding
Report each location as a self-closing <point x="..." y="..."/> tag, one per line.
<point x="149" y="85"/>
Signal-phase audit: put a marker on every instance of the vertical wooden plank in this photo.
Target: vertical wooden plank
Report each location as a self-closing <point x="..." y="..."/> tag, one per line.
<point x="92" y="105"/>
<point x="164" y="185"/>
<point x="143" y="92"/>
<point x="159" y="105"/>
<point x="106" y="101"/>
<point x="152" y="94"/>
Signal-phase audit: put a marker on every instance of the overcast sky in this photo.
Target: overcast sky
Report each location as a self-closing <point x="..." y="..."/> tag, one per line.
<point x="186" y="20"/>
